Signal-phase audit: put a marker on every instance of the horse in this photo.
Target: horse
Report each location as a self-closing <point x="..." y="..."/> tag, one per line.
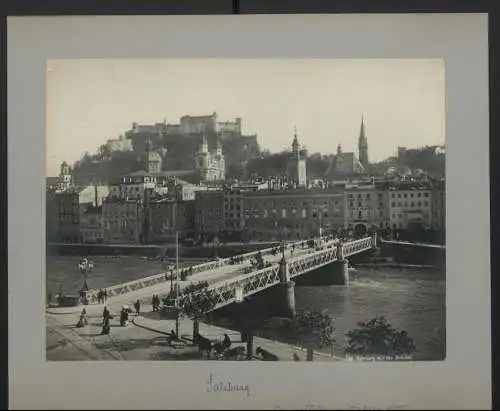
<point x="266" y="355"/>
<point x="204" y="344"/>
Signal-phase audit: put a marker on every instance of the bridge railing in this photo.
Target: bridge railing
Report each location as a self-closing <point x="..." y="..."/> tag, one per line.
<point x="354" y="247"/>
<point x="256" y="281"/>
<point x="196" y="269"/>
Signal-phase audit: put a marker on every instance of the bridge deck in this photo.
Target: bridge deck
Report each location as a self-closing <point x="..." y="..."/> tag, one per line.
<point x="212" y="276"/>
<point x="227" y="281"/>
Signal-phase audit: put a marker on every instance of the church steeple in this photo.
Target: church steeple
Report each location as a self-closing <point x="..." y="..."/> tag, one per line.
<point x="218" y="148"/>
<point x="363" y="145"/>
<point x="339" y="149"/>
<point x="146" y="157"/>
<point x="295" y="143"/>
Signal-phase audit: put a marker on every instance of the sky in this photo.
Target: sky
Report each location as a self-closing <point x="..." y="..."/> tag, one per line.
<point x="401" y="100"/>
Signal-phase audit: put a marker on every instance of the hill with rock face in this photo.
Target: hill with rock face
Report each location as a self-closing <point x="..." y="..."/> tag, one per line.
<point x="177" y="150"/>
<point x="243" y="157"/>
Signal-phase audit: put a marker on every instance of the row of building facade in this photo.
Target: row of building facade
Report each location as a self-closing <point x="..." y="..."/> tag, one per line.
<point x="141" y="209"/>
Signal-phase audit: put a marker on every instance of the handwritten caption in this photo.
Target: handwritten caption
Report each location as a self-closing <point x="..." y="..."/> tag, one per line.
<point x="219" y="386"/>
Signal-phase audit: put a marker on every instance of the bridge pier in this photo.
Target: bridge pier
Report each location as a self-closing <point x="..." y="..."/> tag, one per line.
<point x="284" y="294"/>
<point x="340" y="272"/>
<point x="285" y="300"/>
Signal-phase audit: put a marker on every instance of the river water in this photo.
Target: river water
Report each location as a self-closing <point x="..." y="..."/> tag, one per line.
<point x="411" y="300"/>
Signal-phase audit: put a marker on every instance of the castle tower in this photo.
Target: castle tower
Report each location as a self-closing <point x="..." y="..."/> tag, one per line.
<point x="363" y="146"/>
<point x="296" y="163"/>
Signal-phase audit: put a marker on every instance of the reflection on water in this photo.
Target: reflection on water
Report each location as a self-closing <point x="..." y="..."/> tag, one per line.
<point x="412" y="300"/>
<point x="108" y="271"/>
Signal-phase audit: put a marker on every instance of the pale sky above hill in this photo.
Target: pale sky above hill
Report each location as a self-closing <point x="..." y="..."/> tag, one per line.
<point x="402" y="100"/>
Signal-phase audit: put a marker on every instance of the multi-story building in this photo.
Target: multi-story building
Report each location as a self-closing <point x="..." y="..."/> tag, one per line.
<point x="439" y="207"/>
<point x="296" y="164"/>
<point x="133" y="186"/>
<point x="366" y="209"/>
<point x="292" y="214"/>
<point x="68" y="204"/>
<point x="168" y="216"/>
<point x="123" y="220"/>
<point x="234" y="220"/>
<point x="52" y="216"/>
<point x="410" y="206"/>
<point x="209" y="212"/>
<point x="91" y="224"/>
<point x="210" y="164"/>
<point x="64" y="211"/>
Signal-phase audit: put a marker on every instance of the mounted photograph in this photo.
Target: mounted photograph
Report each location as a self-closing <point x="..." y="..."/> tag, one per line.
<point x="245" y="210"/>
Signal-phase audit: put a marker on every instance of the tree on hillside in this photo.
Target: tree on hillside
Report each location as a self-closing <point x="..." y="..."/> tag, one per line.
<point x="378" y="338"/>
<point x="317" y="327"/>
<point x="272" y="165"/>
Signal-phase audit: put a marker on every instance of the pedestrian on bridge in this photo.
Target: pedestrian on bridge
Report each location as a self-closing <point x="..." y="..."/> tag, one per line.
<point x="105" y="314"/>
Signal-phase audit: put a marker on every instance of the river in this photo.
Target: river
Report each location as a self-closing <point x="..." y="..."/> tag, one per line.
<point x="411" y="300"/>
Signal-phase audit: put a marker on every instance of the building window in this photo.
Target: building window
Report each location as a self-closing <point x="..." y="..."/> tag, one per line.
<point x="381" y="205"/>
<point x="360" y="214"/>
<point x="393" y="195"/>
<point x="359" y="204"/>
<point x="393" y="204"/>
<point x="304" y="213"/>
<point x="411" y="195"/>
<point x="426" y="194"/>
<point x="412" y="204"/>
<point x="405" y="195"/>
<point x="283" y="213"/>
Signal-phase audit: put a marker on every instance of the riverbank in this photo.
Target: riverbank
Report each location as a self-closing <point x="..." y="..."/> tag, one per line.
<point x="205" y="251"/>
<point x="395" y="266"/>
<point x="144" y="339"/>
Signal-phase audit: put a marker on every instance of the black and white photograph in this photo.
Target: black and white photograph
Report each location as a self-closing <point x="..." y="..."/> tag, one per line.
<point x="246" y="210"/>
